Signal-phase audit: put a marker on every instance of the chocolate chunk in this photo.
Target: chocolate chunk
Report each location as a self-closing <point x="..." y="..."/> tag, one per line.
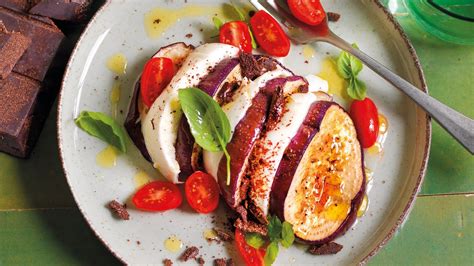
<point x="333" y="17"/>
<point x="249" y="66"/>
<point x="266" y="63"/>
<point x="226" y="93"/>
<point x="230" y="262"/>
<point x="189" y="253"/>
<point x="167" y="262"/>
<point x="251" y="227"/>
<point x="19" y="5"/>
<point x="12" y="47"/>
<point x="325" y="249"/>
<point x="277" y="108"/>
<point x="200" y="261"/>
<point x="67" y="10"/>
<point x="21" y="116"/>
<point x="46" y="40"/>
<point x="220" y="262"/>
<point x="223" y="235"/>
<point x="120" y="210"/>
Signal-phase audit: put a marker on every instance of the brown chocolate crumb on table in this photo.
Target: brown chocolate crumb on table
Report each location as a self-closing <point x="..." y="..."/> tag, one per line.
<point x="325" y="249"/>
<point x="167" y="262"/>
<point x="189" y="254"/>
<point x="120" y="210"/>
<point x="200" y="261"/>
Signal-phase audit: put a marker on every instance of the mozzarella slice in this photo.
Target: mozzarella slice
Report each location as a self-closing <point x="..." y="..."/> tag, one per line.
<point x="236" y="110"/>
<point x="316" y="84"/>
<point x="161" y="123"/>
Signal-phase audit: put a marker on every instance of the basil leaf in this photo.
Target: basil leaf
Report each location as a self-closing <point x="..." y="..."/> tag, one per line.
<point x="103" y="127"/>
<point x="357" y="89"/>
<point x="217" y="23"/>
<point x="271" y="253"/>
<point x="209" y="125"/>
<point x="344" y="65"/>
<point x="239" y="12"/>
<point x="356" y="65"/>
<point x="274" y="228"/>
<point x="254" y="43"/>
<point x="254" y="240"/>
<point x="287" y="235"/>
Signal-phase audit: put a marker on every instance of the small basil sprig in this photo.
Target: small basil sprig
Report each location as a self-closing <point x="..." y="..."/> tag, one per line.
<point x="209" y="125"/>
<point x="278" y="232"/>
<point x="103" y="127"/>
<point x="349" y="67"/>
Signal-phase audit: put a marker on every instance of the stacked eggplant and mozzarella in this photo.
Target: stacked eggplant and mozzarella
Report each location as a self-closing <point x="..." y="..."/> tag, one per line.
<point x="294" y="152"/>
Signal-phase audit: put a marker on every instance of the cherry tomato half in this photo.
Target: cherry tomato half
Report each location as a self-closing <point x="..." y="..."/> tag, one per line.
<point x="269" y="34"/>
<point x="157" y="196"/>
<point x="366" y="120"/>
<point x="202" y="192"/>
<point x="156" y="75"/>
<point x="236" y="33"/>
<point x="251" y="256"/>
<point x="310" y="12"/>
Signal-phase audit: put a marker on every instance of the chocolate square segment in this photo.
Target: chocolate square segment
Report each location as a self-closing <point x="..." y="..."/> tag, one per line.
<point x="45" y="41"/>
<point x="20" y="5"/>
<point x="12" y="47"/>
<point x="18" y="124"/>
<point x="67" y="10"/>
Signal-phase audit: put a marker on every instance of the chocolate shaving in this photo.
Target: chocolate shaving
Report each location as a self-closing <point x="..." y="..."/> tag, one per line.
<point x="333" y="17"/>
<point x="119" y="209"/>
<point x="325" y="249"/>
<point x="200" y="261"/>
<point x="167" y="262"/>
<point x="251" y="227"/>
<point x="189" y="253"/>
<point x="223" y="235"/>
<point x="250" y="67"/>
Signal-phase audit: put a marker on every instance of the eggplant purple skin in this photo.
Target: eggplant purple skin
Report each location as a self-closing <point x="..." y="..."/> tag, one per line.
<point x="134" y="126"/>
<point x="291" y="159"/>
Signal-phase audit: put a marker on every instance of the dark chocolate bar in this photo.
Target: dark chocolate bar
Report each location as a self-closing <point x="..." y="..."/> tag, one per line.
<point x="12" y="47"/>
<point x="67" y="10"/>
<point x="20" y="119"/>
<point x="19" y="5"/>
<point x="45" y="39"/>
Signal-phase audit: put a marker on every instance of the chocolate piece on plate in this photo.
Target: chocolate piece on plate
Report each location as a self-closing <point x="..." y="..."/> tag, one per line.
<point x="46" y="40"/>
<point x="12" y="47"/>
<point x="21" y="115"/>
<point x="67" y="10"/>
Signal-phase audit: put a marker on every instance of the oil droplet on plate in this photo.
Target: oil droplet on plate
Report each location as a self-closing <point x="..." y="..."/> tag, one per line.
<point x="107" y="157"/>
<point x="369" y="174"/>
<point x="337" y="85"/>
<point x="117" y="63"/>
<point x="308" y="51"/>
<point x="173" y="244"/>
<point x="158" y="20"/>
<point x="363" y="206"/>
<point x="377" y="148"/>
<point x="209" y="234"/>
<point x="115" y="97"/>
<point x="141" y="178"/>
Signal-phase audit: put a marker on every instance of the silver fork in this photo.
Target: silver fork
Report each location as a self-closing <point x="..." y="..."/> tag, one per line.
<point x="458" y="125"/>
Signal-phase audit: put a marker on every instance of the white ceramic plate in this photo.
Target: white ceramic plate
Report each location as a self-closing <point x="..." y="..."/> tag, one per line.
<point x="119" y="27"/>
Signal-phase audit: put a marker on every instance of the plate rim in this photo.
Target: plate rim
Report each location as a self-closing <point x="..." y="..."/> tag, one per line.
<point x="424" y="163"/>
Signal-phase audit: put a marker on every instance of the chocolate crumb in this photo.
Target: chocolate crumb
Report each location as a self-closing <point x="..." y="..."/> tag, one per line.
<point x="223" y="235"/>
<point x="138" y="242"/>
<point x="119" y="209"/>
<point x="230" y="262"/>
<point x="157" y="21"/>
<point x="200" y="261"/>
<point x="167" y="262"/>
<point x="189" y="35"/>
<point x="220" y="262"/>
<point x="333" y="17"/>
<point x="189" y="253"/>
<point x="306" y="61"/>
<point x="325" y="249"/>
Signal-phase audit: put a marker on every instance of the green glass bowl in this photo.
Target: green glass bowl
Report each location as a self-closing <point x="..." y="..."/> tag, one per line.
<point x="449" y="20"/>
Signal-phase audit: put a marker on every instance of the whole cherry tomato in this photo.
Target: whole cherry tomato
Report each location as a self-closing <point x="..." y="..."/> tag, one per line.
<point x="366" y="120"/>
<point x="156" y="75"/>
<point x="202" y="192"/>
<point x="236" y="33"/>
